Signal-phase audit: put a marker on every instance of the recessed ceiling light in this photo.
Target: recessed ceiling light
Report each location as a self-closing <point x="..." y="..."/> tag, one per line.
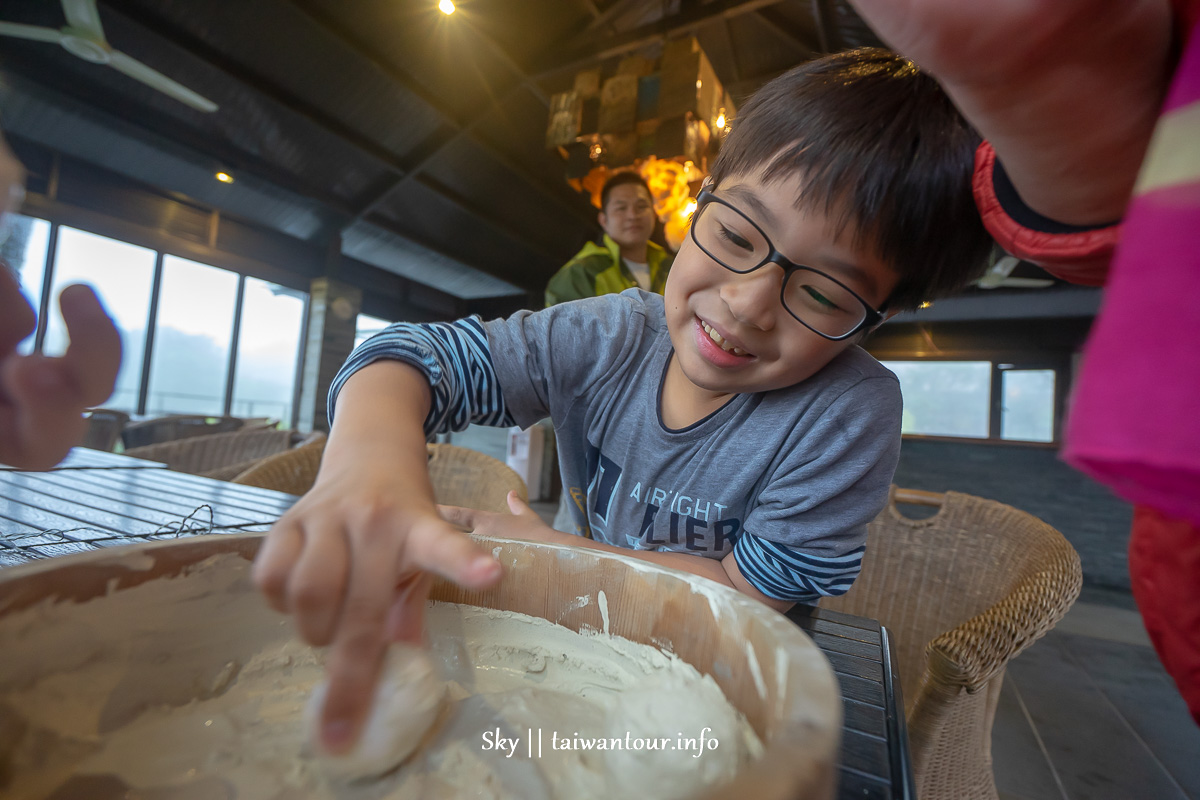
<point x="224" y="177"/>
<point x="446" y="7"/>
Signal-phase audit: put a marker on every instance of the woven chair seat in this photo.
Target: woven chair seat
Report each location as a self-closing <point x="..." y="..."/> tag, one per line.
<point x="211" y="455"/>
<point x="104" y="426"/>
<point x="962" y="593"/>
<point x="175" y="426"/>
<point x="460" y="477"/>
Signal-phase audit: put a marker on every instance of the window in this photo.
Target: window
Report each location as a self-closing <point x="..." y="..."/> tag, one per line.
<point x="190" y="359"/>
<point x="945" y="398"/>
<point x="1027" y="413"/>
<point x="23" y="245"/>
<point x="122" y="275"/>
<point x="268" y="346"/>
<point x="366" y="327"/>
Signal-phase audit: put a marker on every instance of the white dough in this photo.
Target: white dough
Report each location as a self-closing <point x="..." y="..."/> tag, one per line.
<point x="406" y="704"/>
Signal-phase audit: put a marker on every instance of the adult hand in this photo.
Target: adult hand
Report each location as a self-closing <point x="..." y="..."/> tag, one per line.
<point x="1067" y="92"/>
<point x="42" y="399"/>
<point x="353" y="559"/>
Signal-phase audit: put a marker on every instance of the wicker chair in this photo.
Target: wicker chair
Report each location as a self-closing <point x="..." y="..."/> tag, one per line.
<point x="961" y="592"/>
<point x="174" y="427"/>
<point x="104" y="426"/>
<point x="461" y="477"/>
<point x="220" y="455"/>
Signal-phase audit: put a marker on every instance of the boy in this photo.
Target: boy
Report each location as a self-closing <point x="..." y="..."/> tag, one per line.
<point x="731" y="429"/>
<point x="627" y="259"/>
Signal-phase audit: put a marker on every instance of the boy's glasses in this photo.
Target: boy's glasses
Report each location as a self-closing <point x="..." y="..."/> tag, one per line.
<point x="821" y="303"/>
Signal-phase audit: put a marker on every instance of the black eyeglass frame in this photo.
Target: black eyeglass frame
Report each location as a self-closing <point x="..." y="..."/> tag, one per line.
<point x="873" y="316"/>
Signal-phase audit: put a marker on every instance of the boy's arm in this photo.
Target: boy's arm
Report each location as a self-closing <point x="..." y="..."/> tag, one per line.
<point x="1067" y="92"/>
<point x="526" y="525"/>
<point x="349" y="559"/>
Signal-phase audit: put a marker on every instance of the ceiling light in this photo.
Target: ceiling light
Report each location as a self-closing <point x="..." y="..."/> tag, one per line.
<point x="224" y="177"/>
<point x="446" y="7"/>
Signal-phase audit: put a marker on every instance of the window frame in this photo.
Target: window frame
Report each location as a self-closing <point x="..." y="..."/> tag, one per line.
<point x="48" y="269"/>
<point x="1002" y="362"/>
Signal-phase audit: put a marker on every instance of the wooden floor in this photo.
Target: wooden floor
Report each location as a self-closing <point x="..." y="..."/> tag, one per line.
<point x="1088" y="713"/>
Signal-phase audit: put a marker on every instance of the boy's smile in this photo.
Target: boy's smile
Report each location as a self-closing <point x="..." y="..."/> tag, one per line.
<point x="730" y="331"/>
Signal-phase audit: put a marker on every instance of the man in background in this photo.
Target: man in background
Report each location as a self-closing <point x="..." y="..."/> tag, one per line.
<point x="627" y="258"/>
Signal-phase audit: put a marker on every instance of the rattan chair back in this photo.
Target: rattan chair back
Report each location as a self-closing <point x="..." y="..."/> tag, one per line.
<point x="460" y="477"/>
<point x="219" y="455"/>
<point x="961" y="593"/>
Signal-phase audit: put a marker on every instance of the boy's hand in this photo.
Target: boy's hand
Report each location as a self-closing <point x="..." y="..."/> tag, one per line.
<point x="353" y="559"/>
<point x="42" y="399"/>
<point x="522" y="523"/>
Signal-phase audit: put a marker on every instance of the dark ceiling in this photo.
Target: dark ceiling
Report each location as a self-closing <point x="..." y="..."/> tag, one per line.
<point x="415" y="137"/>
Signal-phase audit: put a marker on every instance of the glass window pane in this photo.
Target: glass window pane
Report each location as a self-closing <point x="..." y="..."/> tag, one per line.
<point x="1028" y="410"/>
<point x="24" y="250"/>
<point x="945" y="398"/>
<point x="122" y="275"/>
<point x="268" y="346"/>
<point x="192" y="339"/>
<point x="366" y="327"/>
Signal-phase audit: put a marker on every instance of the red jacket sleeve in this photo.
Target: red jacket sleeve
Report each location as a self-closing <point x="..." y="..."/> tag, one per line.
<point x="1080" y="256"/>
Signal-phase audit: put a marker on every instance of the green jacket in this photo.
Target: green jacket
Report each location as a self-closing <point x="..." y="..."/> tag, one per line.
<point x="597" y="270"/>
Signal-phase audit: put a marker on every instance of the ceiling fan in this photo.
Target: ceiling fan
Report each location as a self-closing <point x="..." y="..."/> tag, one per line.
<point x="999" y="274"/>
<point x="84" y="37"/>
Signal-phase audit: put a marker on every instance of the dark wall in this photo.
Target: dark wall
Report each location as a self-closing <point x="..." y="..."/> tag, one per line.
<point x="1032" y="479"/>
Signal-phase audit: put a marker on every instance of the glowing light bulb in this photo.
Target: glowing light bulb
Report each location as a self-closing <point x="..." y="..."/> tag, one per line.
<point x="721" y="121"/>
<point x="446" y="7"/>
<point x="224" y="177"/>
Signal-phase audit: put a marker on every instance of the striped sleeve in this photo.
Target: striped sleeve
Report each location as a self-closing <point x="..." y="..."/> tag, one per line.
<point x="787" y="573"/>
<point x="456" y="359"/>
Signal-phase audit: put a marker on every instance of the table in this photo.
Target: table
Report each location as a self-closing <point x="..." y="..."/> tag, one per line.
<point x="96" y="499"/>
<point x="874" y="762"/>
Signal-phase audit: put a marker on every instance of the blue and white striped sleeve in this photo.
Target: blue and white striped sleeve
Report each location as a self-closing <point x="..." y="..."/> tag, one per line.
<point x="456" y="359"/>
<point x="787" y="573"/>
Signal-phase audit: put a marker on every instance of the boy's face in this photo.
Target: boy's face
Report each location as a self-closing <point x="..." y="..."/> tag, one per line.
<point x="629" y="216"/>
<point x="745" y="310"/>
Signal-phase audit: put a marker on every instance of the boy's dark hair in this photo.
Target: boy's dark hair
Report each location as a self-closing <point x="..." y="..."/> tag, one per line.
<point x="882" y="150"/>
<point x="620" y="179"/>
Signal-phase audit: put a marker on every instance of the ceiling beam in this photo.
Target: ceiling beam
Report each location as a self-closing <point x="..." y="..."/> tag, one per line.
<point x="822" y="14"/>
<point x="315" y="116"/>
<point x="561" y="196"/>
<point x="600" y="48"/>
<point x="787" y="32"/>
<point x="171" y="136"/>
<point x="609" y="14"/>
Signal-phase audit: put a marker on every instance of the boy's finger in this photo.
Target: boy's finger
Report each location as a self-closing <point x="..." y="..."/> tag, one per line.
<point x="457" y="515"/>
<point x="518" y="506"/>
<point x="356" y="657"/>
<point x="94" y="355"/>
<point x="276" y="558"/>
<point x="439" y="548"/>
<point x="317" y="587"/>
<point x="406" y="617"/>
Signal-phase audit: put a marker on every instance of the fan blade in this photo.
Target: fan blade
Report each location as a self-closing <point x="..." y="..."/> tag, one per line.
<point x="83" y="17"/>
<point x="30" y="32"/>
<point x="155" y="79"/>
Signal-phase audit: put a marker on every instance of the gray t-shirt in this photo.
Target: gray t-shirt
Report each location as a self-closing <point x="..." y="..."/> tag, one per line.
<point x="787" y="480"/>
